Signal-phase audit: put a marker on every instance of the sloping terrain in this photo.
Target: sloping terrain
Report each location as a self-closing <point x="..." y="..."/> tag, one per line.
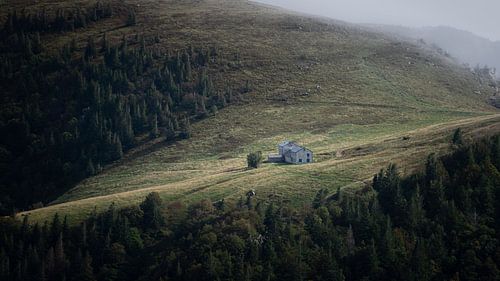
<point x="463" y="45"/>
<point x="357" y="99"/>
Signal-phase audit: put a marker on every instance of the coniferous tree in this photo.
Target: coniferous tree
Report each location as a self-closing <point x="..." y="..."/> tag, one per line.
<point x="90" y="170"/>
<point x="320" y="198"/>
<point x="86" y="271"/>
<point x="151" y="207"/>
<point x="117" y="152"/>
<point x="185" y="129"/>
<point x="458" y="138"/>
<point x="416" y="213"/>
<point x="104" y="43"/>
<point x="350" y="241"/>
<point x="37" y="44"/>
<point x="154" y="133"/>
<point x="131" y="19"/>
<point x="169" y="131"/>
<point x="90" y="50"/>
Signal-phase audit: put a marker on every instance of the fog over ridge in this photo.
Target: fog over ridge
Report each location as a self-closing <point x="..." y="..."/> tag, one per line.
<point x="481" y="17"/>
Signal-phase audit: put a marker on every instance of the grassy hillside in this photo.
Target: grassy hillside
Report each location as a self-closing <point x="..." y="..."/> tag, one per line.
<point x="467" y="47"/>
<point x="357" y="99"/>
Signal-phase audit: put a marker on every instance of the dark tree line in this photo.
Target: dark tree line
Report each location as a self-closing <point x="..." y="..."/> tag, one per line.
<point x="441" y="224"/>
<point x="63" y="20"/>
<point x="64" y="115"/>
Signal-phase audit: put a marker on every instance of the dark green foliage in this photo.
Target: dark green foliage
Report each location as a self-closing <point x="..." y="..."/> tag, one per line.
<point x="154" y="131"/>
<point x="151" y="208"/>
<point x="169" y="131"/>
<point x="185" y="129"/>
<point x="458" y="138"/>
<point x="254" y="159"/>
<point x="348" y="237"/>
<point x="61" y="21"/>
<point x="131" y="18"/>
<point x="85" y="271"/>
<point x="64" y="116"/>
<point x="90" y="50"/>
<point x="388" y="185"/>
<point x="320" y="199"/>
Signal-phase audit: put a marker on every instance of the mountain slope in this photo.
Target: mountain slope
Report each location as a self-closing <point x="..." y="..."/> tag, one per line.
<point x="465" y="46"/>
<point x="350" y="95"/>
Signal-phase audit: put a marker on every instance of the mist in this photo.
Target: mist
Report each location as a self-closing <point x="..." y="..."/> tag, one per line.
<point x="481" y="17"/>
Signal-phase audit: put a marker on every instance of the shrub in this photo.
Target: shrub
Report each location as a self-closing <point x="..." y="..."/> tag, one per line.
<point x="458" y="138"/>
<point x="254" y="159"/>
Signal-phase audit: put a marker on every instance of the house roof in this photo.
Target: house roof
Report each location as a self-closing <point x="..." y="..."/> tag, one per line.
<point x="291" y="147"/>
<point x="284" y="143"/>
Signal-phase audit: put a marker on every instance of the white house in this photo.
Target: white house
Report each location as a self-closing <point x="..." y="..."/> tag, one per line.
<point x="290" y="152"/>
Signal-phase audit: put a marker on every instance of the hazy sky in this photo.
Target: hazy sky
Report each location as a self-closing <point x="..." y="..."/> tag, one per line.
<point x="479" y="16"/>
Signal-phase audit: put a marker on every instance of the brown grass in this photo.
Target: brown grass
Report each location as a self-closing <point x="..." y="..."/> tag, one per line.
<point x="372" y="92"/>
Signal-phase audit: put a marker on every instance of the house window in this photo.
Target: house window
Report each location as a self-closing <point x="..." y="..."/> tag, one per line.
<point x="308" y="155"/>
<point x="300" y="160"/>
<point x="308" y="160"/>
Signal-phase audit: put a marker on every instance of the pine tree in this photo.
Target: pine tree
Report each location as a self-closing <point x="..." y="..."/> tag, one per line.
<point x="85" y="272"/>
<point x="388" y="244"/>
<point x="90" y="170"/>
<point x="90" y="50"/>
<point x="131" y="19"/>
<point x="432" y="168"/>
<point x="373" y="263"/>
<point x="350" y="242"/>
<point x="151" y="206"/>
<point x="202" y="109"/>
<point x="104" y="43"/>
<point x="50" y="263"/>
<point x="420" y="262"/>
<point x="37" y="44"/>
<point x="416" y="214"/>
<point x="320" y="198"/>
<point x="55" y="228"/>
<point x="458" y="138"/>
<point x="270" y="220"/>
<point x="433" y="198"/>
<point x="169" y="131"/>
<point x="187" y="67"/>
<point x="117" y="149"/>
<point x="59" y="257"/>
<point x="185" y="128"/>
<point x="154" y="132"/>
<point x="27" y="47"/>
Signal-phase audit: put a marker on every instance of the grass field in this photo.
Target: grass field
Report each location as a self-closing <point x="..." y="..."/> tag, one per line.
<point x="346" y="156"/>
<point x="359" y="100"/>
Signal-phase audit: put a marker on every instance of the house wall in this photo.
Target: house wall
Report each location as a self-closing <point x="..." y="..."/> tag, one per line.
<point x="280" y="150"/>
<point x="275" y="158"/>
<point x="300" y="157"/>
<point x="310" y="156"/>
<point x="303" y="156"/>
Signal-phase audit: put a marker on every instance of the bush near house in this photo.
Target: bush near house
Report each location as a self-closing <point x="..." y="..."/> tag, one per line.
<point x="254" y="159"/>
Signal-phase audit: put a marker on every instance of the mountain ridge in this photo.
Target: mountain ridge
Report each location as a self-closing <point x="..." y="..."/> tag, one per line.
<point x="466" y="46"/>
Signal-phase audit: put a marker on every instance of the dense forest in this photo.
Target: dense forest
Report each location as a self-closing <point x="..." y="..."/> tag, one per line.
<point x="440" y="224"/>
<point x="66" y="112"/>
